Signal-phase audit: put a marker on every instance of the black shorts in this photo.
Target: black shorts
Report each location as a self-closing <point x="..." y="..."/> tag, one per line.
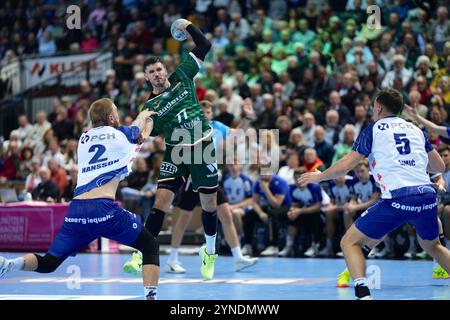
<point x="190" y="199"/>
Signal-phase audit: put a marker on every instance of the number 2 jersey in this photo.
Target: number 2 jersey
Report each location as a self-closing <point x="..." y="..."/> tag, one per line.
<point x="105" y="153"/>
<point x="179" y="116"/>
<point x="398" y="156"/>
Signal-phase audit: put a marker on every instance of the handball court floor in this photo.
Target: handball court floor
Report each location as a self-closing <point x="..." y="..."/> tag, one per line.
<point x="102" y="278"/>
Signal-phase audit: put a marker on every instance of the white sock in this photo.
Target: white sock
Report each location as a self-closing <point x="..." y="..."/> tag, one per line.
<point x="18" y="263"/>
<point x="173" y="254"/>
<point x="210" y="244"/>
<point x="361" y="282"/>
<point x="236" y="252"/>
<point x="150" y="292"/>
<point x="412" y="244"/>
<point x="289" y="241"/>
<point x="329" y="245"/>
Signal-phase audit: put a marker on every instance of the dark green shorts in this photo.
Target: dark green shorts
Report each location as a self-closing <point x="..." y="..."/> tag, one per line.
<point x="199" y="161"/>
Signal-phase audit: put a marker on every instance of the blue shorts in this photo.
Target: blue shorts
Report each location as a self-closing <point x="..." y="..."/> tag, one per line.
<point x="388" y="214"/>
<point x="89" y="219"/>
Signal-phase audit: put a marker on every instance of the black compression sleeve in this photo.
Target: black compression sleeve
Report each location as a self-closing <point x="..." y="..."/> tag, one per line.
<point x="202" y="45"/>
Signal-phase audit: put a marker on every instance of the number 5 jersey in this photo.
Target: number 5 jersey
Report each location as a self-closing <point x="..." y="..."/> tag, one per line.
<point x="398" y="156"/>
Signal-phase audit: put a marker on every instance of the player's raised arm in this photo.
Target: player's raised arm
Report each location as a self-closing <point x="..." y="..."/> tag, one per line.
<point x="145" y="124"/>
<point x="202" y="45"/>
<point x="439" y="130"/>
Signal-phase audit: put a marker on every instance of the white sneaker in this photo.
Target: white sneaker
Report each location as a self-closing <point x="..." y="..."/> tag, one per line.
<point x="174" y="267"/>
<point x="382" y="254"/>
<point x="247" y="250"/>
<point x="244" y="262"/>
<point x="409" y="255"/>
<point x="286" y="252"/>
<point x="365" y="298"/>
<point x="270" y="251"/>
<point x="340" y="254"/>
<point x="312" y="251"/>
<point x="325" y="252"/>
<point x="373" y="253"/>
<point x="5" y="266"/>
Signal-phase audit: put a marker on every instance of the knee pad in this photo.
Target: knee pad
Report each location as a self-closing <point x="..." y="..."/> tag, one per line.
<point x="48" y="263"/>
<point x="149" y="246"/>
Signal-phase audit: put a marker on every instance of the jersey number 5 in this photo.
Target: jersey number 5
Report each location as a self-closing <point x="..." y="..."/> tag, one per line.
<point x="99" y="150"/>
<point x="403" y="143"/>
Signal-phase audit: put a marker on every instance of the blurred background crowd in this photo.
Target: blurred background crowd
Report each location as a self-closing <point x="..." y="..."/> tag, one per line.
<point x="310" y="68"/>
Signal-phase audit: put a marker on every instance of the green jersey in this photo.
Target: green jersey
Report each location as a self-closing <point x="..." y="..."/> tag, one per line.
<point x="179" y="115"/>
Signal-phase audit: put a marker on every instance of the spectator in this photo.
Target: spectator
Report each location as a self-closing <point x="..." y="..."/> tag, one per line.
<point x="59" y="176"/>
<point x="324" y="149"/>
<point x="38" y="130"/>
<point x="53" y="153"/>
<point x="33" y="179"/>
<point x="11" y="164"/>
<point x="311" y="162"/>
<point x="47" y="190"/>
<point x="346" y="146"/>
<point x="287" y="172"/>
<point x="342" y="110"/>
<point x="399" y="72"/>
<point x="25" y="128"/>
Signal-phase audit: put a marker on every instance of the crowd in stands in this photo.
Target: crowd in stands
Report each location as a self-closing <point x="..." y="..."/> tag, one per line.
<point x="310" y="68"/>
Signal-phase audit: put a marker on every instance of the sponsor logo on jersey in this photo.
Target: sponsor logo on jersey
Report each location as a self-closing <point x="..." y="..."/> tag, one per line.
<point x="103" y="136"/>
<point x="98" y="166"/>
<point x="383" y="126"/>
<point x="409" y="163"/>
<point x="172" y="102"/>
<point x="168" y="168"/>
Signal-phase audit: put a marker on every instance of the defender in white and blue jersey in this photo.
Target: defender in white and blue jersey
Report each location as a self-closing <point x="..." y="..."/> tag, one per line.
<point x="105" y="155"/>
<point x="399" y="154"/>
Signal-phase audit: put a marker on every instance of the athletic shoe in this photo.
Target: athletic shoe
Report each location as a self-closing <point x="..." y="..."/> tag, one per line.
<point x="312" y="251"/>
<point x="5" y="266"/>
<point x="343" y="279"/>
<point x="382" y="254"/>
<point x="286" y="252"/>
<point x="270" y="251"/>
<point x="208" y="260"/>
<point x="247" y="250"/>
<point x="340" y="254"/>
<point x="422" y="255"/>
<point x="409" y="255"/>
<point x="244" y="262"/>
<point x="174" y="267"/>
<point x="440" y="273"/>
<point x="365" y="298"/>
<point x="134" y="265"/>
<point x="325" y="252"/>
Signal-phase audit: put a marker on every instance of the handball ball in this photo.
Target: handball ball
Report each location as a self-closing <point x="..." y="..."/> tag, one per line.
<point x="177" y="33"/>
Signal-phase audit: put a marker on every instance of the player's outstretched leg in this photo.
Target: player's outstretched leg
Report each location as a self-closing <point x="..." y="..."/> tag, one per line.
<point x="30" y="262"/>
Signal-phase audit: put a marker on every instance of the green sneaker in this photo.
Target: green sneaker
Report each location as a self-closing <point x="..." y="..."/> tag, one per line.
<point x="440" y="273"/>
<point x="134" y="265"/>
<point x="208" y="260"/>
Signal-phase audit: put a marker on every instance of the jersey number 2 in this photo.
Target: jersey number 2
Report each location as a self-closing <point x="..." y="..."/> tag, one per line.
<point x="99" y="150"/>
<point x="403" y="143"/>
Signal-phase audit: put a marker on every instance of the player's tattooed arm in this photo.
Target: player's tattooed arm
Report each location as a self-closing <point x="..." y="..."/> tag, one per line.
<point x="145" y="124"/>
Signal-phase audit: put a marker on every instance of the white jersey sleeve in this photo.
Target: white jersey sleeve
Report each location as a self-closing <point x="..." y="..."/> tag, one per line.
<point x="398" y="156"/>
<point x="105" y="153"/>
